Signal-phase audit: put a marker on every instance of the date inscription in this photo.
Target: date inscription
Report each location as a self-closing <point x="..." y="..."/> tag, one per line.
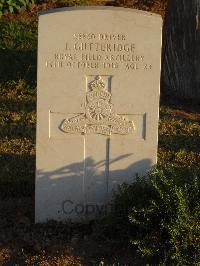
<point x="99" y="51"/>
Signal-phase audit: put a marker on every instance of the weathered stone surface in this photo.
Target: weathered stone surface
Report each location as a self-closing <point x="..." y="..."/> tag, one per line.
<point x="97" y="110"/>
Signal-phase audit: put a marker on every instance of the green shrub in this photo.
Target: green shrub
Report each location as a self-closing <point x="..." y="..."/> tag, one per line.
<point x="117" y="225"/>
<point x="10" y="6"/>
<point x="160" y="215"/>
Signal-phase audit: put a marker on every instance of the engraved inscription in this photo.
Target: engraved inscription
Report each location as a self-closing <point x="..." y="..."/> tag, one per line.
<point x="99" y="117"/>
<point x="99" y="51"/>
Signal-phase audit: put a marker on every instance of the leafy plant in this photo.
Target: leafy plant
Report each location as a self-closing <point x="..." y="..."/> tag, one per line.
<point x="169" y="226"/>
<point x="160" y="216"/>
<point x="10" y="6"/>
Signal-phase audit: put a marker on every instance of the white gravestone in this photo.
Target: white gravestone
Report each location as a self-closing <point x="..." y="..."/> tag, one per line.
<point x="97" y="107"/>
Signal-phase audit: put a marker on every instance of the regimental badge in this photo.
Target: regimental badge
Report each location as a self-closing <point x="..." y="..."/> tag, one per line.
<point x="99" y="117"/>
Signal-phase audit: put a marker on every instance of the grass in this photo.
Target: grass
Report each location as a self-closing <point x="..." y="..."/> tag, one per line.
<point x="18" y="44"/>
<point x="22" y="242"/>
<point x="179" y="137"/>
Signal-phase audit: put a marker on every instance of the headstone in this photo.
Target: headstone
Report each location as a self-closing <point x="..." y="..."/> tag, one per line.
<point x="97" y="107"/>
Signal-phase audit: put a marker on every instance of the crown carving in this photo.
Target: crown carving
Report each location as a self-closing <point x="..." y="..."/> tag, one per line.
<point x="98" y="90"/>
<point x="98" y="83"/>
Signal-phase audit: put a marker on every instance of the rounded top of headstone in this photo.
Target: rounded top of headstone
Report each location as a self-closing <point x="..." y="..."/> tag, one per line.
<point x="101" y="8"/>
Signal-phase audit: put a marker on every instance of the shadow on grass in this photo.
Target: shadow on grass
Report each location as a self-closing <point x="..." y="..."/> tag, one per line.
<point x="174" y="102"/>
<point x="18" y="131"/>
<point x="18" y="64"/>
<point x="17" y="176"/>
<point x="12" y="105"/>
<point x="180" y="142"/>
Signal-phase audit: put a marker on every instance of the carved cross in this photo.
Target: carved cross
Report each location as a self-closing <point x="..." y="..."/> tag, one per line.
<point x="99" y="117"/>
<point x="97" y="125"/>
